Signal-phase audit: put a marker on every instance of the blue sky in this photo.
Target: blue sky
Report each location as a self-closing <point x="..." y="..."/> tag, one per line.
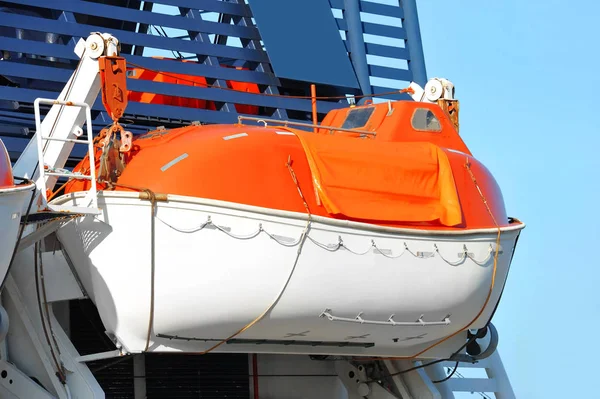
<point x="527" y="75"/>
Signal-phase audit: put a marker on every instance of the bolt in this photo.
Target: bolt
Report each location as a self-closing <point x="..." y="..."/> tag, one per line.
<point x="433" y="90"/>
<point x="94" y="46"/>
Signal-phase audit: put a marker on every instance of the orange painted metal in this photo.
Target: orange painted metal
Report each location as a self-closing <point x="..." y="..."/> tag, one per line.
<point x="172" y="78"/>
<point x="245" y="87"/>
<point x="114" y="85"/>
<point x="188" y="80"/>
<point x="313" y="98"/>
<point x="247" y="165"/>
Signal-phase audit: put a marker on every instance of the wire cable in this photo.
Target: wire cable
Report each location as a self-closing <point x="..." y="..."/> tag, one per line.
<point x="59" y="372"/>
<point x="473" y="338"/>
<point x="152" y="198"/>
<point x="448" y="376"/>
<point x="287" y="282"/>
<point x="495" y="266"/>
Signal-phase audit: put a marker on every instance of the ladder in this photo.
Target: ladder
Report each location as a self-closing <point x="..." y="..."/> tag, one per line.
<point x="496" y="381"/>
<point x="91" y="199"/>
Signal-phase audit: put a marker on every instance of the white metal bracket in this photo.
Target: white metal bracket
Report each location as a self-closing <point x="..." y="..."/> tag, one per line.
<point x="358" y="386"/>
<point x="15" y="384"/>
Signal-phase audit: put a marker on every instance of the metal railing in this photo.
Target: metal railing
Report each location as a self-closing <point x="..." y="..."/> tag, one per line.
<point x="311" y="125"/>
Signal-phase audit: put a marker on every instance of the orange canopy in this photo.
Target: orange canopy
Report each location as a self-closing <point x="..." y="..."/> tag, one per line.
<point x="363" y="179"/>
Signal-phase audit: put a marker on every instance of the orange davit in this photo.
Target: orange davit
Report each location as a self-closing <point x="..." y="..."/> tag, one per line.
<point x="405" y="166"/>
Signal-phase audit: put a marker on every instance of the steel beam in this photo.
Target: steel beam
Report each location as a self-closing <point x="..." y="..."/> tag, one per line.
<point x="357" y="44"/>
<point x="413" y="41"/>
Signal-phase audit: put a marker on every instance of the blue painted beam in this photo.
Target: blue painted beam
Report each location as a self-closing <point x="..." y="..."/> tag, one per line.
<point x="381" y="9"/>
<point x="69" y="17"/>
<point x="337" y="4"/>
<point x="414" y="44"/>
<point x="202" y="37"/>
<point x="213" y="94"/>
<point x="21" y="70"/>
<point x="381" y="50"/>
<point x="24" y="95"/>
<point x="390" y="73"/>
<point x="157" y="111"/>
<point x="10" y="129"/>
<point x="43" y="80"/>
<point x="354" y="37"/>
<point x="262" y="66"/>
<point x="387" y="51"/>
<point x="372" y="8"/>
<point x="82" y="30"/>
<point x="151" y="18"/>
<point x="29" y="95"/>
<point x="16" y="121"/>
<point x="197" y="69"/>
<point x="219" y="6"/>
<point x="16" y="115"/>
<point x="37" y="48"/>
<point x="394" y="32"/>
<point x="184" y="114"/>
<point x="133" y="108"/>
<point x="188" y="68"/>
<point x="142" y="28"/>
<point x="27" y="120"/>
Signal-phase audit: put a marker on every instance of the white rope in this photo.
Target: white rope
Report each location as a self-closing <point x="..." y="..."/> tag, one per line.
<point x="327" y="247"/>
<point x="460" y="261"/>
<point x="340" y="245"/>
<point x="281" y="242"/>
<point x="379" y="251"/>
<point x="351" y="251"/>
<point x="486" y="260"/>
<point x="236" y="236"/>
<point x="186" y="231"/>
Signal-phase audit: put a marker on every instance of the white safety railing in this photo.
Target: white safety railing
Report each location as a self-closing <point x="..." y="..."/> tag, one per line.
<point x="91" y="199"/>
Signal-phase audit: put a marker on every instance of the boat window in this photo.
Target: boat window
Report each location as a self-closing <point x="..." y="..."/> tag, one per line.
<point x="357" y="117"/>
<point x="425" y="119"/>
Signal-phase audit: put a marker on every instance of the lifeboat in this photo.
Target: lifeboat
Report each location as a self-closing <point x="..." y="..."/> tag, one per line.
<point x="13" y="201"/>
<point x="377" y="233"/>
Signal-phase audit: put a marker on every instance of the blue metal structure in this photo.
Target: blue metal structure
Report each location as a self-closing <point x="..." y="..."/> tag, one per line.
<point x="377" y="50"/>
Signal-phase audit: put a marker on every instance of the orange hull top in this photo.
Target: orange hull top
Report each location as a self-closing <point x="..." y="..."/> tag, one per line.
<point x="414" y="171"/>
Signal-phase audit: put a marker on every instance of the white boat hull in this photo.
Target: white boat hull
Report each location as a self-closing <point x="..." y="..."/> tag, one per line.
<point x="12" y="203"/>
<point x="354" y="289"/>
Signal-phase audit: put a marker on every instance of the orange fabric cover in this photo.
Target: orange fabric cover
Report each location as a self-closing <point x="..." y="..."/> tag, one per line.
<point x="367" y="180"/>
